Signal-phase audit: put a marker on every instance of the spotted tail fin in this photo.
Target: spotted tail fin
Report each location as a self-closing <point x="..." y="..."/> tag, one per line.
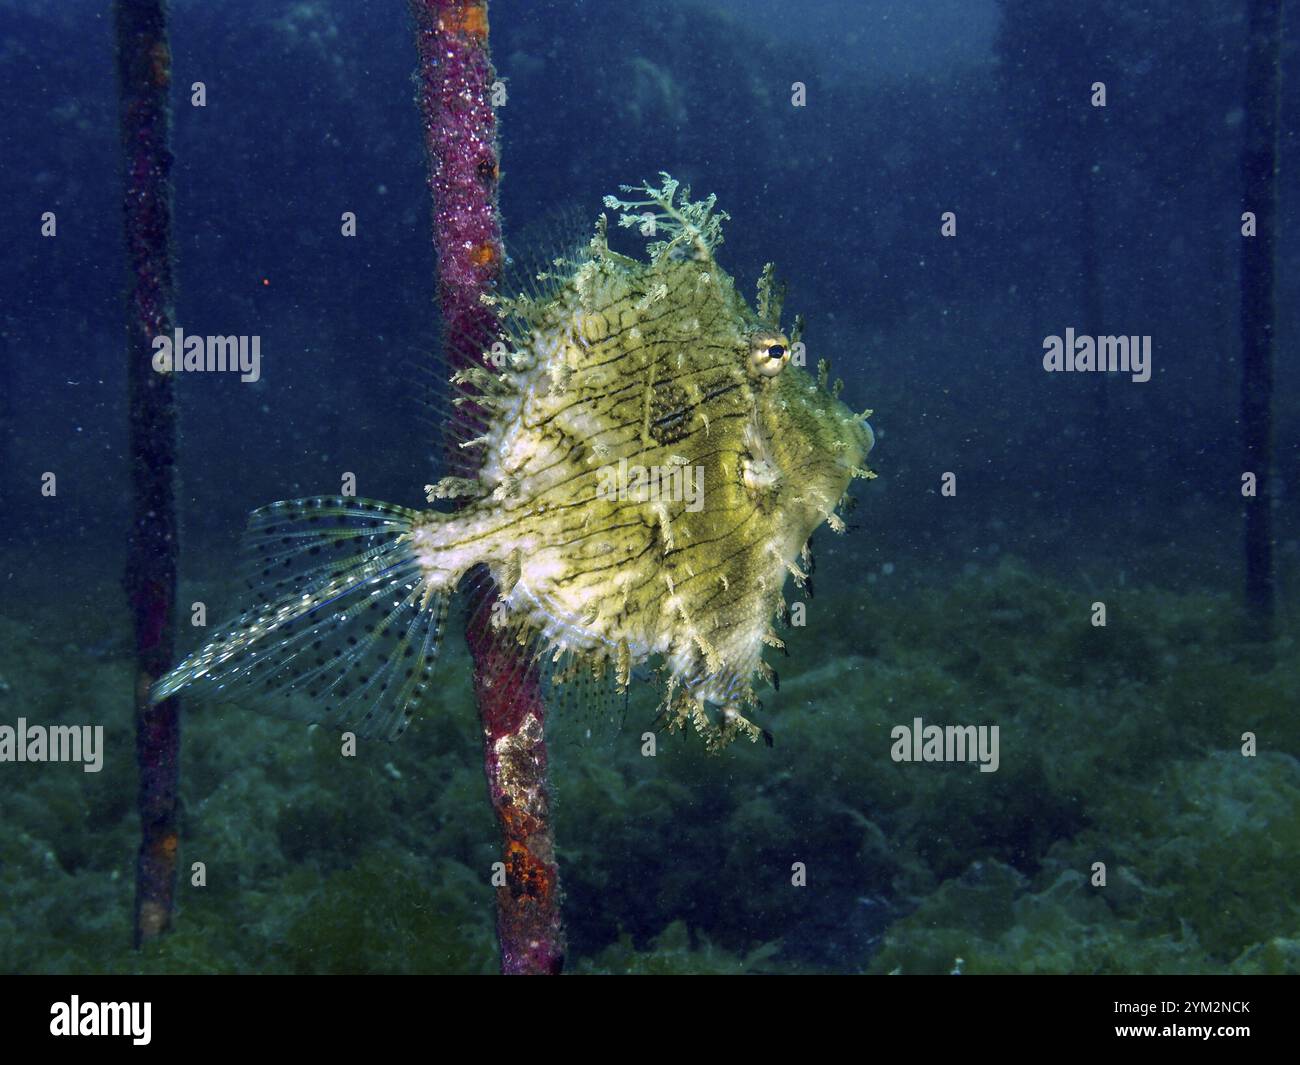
<point x="344" y="631"/>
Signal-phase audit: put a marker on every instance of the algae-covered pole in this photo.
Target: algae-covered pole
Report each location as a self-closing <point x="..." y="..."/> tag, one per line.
<point x="455" y="79"/>
<point x="144" y="78"/>
<point x="1259" y="187"/>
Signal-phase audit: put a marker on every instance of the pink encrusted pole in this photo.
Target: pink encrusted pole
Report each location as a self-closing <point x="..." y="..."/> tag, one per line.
<point x="455" y="79"/>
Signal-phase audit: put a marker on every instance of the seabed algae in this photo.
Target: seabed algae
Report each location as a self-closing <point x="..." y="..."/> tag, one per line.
<point x="1125" y="751"/>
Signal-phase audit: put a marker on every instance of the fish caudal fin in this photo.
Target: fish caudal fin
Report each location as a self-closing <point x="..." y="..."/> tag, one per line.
<point x="345" y="630"/>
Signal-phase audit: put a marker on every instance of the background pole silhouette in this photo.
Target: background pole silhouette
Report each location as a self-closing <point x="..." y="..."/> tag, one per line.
<point x="144" y="80"/>
<point x="1259" y="191"/>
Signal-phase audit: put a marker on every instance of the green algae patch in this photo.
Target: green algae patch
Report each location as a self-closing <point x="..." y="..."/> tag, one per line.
<point x="672" y="953"/>
<point x="1193" y="871"/>
<point x="818" y="853"/>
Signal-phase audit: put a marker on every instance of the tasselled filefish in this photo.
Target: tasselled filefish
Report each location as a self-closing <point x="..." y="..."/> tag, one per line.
<point x="653" y="459"/>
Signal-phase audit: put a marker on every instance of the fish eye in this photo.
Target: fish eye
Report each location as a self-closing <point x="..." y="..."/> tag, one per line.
<point x="768" y="355"/>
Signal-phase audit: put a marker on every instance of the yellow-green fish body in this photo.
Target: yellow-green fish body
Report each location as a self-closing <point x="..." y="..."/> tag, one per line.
<point x="653" y="464"/>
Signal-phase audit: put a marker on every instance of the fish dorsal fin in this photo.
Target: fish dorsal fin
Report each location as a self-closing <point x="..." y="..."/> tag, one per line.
<point x="544" y="253"/>
<point x="540" y="262"/>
